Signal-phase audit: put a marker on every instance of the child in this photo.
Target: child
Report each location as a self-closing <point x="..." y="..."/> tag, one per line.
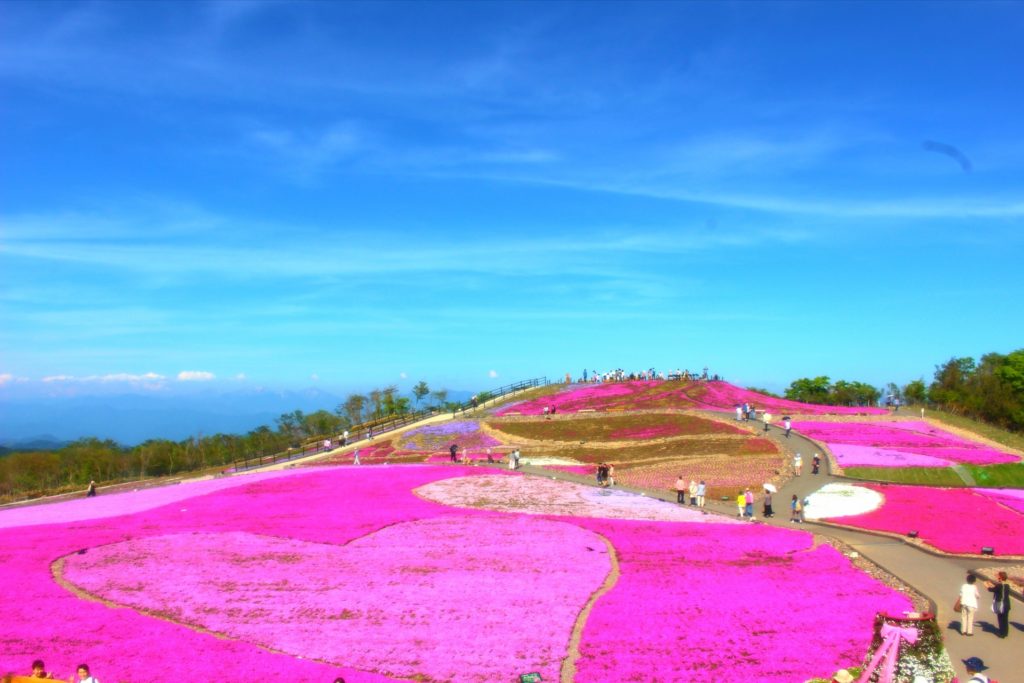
<point x="796" y="509"/>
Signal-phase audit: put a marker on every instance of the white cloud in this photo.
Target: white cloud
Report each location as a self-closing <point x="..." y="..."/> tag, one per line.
<point x="112" y="377"/>
<point x="402" y="375"/>
<point x="315" y="377"/>
<point x="492" y="374"/>
<point x="5" y="378"/>
<point x="195" y="376"/>
<point x="240" y="377"/>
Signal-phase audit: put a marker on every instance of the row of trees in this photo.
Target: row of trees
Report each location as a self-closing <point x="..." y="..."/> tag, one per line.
<point x="991" y="389"/>
<point x="839" y="393"/>
<point x="75" y="465"/>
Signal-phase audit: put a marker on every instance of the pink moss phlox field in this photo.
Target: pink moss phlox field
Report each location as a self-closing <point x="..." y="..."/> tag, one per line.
<point x="325" y="505"/>
<point x="911" y="437"/>
<point x="928" y="510"/>
<point x="275" y="542"/>
<point x="412" y="597"/>
<point x="436" y="437"/>
<point x="641" y="433"/>
<point x="639" y="395"/>
<point x="728" y="603"/>
<point x="1011" y="498"/>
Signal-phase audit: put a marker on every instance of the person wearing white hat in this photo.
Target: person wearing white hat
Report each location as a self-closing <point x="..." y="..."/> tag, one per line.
<point x="843" y="676"/>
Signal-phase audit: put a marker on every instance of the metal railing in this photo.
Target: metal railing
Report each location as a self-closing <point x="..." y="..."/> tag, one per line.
<point x="373" y="428"/>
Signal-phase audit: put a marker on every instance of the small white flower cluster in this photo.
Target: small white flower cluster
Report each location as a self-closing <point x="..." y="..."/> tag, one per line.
<point x="842" y="500"/>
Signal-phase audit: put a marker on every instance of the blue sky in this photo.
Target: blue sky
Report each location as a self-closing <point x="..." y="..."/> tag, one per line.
<point x="346" y="195"/>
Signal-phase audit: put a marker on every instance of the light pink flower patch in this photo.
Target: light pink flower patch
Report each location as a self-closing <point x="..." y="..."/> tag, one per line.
<point x="108" y="505"/>
<point x="1011" y="498"/>
<point x="441" y="599"/>
<point x="575" y="399"/>
<point x="728" y="603"/>
<point x="911" y="437"/>
<point x="536" y="496"/>
<point x="851" y="455"/>
<point x="929" y="510"/>
<point x="725" y="396"/>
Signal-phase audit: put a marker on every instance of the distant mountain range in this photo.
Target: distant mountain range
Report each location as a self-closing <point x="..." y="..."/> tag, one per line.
<point x="46" y="422"/>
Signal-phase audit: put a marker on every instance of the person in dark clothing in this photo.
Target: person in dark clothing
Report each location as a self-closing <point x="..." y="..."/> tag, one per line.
<point x="454" y="450"/>
<point x="1001" y="602"/>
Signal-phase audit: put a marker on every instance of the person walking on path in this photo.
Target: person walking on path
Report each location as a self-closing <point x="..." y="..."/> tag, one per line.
<point x="795" y="509"/>
<point x="1001" y="602"/>
<point x="453" y="451"/>
<point x="787" y="424"/>
<point x="355" y="457"/>
<point x="798" y="463"/>
<point x="767" y="418"/>
<point x="968" y="605"/>
<point x="693" y="492"/>
<point x="681" y="490"/>
<point x="741" y="504"/>
<point x="702" y="489"/>
<point x="815" y="463"/>
<point x="974" y="667"/>
<point x="511" y="460"/>
<point x="611" y="474"/>
<point x="515" y="456"/>
<point x="748" y="504"/>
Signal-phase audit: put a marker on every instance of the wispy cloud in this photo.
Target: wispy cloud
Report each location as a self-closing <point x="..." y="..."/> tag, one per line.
<point x="492" y="374"/>
<point x="195" y="376"/>
<point x="5" y="378"/>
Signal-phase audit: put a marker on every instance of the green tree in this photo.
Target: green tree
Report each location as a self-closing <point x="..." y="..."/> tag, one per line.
<point x="915" y="392"/>
<point x="808" y="390"/>
<point x="353" y="408"/>
<point x="420" y="391"/>
<point x="440" y="397"/>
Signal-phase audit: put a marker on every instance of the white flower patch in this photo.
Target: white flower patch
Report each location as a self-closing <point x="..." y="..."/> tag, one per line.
<point x="842" y="500"/>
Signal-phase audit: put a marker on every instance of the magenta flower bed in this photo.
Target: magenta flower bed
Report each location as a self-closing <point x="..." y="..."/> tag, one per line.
<point x="312" y="574"/>
<point x="913" y="437"/>
<point x="928" y="510"/>
<point x="704" y="607"/>
<point x="576" y="399"/>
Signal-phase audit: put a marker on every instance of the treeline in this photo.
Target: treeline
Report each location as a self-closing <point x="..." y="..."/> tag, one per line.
<point x="34" y="473"/>
<point x="990" y="390"/>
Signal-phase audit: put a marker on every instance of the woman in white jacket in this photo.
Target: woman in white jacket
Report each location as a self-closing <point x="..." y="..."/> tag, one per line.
<point x="968" y="605"/>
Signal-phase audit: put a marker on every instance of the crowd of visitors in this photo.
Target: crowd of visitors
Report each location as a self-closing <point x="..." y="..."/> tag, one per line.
<point x="620" y="375"/>
<point x="606" y="474"/>
<point x="697" y="491"/>
<point x="82" y="673"/>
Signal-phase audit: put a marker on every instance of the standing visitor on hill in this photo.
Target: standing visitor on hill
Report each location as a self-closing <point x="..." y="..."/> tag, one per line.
<point x="344" y="438"/>
<point x="512" y="460"/>
<point x="453" y="451"/>
<point x="795" y="510"/>
<point x="798" y="463"/>
<point x="968" y="605"/>
<point x="515" y="456"/>
<point x="815" y="463"/>
<point x="748" y="504"/>
<point x="91" y="491"/>
<point x="355" y="457"/>
<point x="767" y="417"/>
<point x="739" y="412"/>
<point x="768" y="512"/>
<point x="611" y="474"/>
<point x="702" y="489"/>
<point x="1001" y="602"/>
<point x="490" y="454"/>
<point x="787" y="424"/>
<point x="693" y="492"/>
<point x="681" y="490"/>
<point x="746" y="412"/>
<point x="741" y="504"/>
